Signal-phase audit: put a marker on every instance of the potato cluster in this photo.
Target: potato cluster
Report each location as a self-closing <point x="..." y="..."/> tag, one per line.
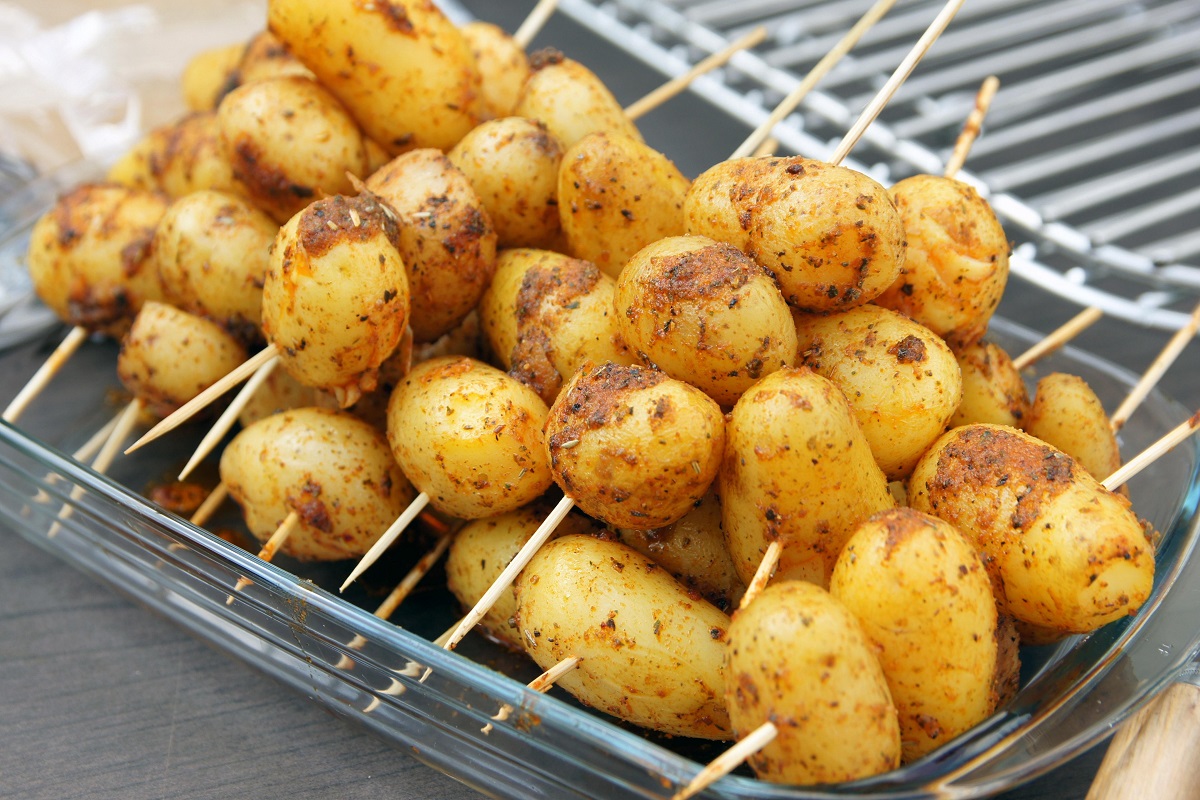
<point x="483" y="286"/>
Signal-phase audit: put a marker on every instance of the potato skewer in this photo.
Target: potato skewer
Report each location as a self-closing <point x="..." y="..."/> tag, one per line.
<point x="1155" y="371"/>
<point x="1059" y="336"/>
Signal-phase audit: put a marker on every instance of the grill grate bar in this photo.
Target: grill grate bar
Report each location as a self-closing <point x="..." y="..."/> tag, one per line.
<point x="1105" y="188"/>
<point x="1126" y="223"/>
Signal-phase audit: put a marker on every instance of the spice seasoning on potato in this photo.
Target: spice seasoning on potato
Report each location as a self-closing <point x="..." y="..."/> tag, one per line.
<point x="704" y="313"/>
<point x="633" y="447"/>
<point x="207" y="75"/>
<point x="1067" y="414"/>
<point x="502" y="64"/>
<point x="993" y="390"/>
<point x="180" y="158"/>
<point x="651" y="652"/>
<point x="829" y="235"/>
<point x="1063" y="552"/>
<point x="570" y="100"/>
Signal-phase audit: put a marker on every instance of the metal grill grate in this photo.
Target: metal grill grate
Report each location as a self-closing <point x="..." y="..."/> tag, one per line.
<point x="1091" y="153"/>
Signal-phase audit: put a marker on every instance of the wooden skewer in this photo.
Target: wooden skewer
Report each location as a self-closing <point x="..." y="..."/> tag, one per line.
<point x="898" y="77"/>
<point x="822" y="68"/>
<point x="973" y="125"/>
<point x="229" y="416"/>
<point x="541" y="683"/>
<point x="534" y="23"/>
<point x="1152" y="453"/>
<point x="389" y="536"/>
<point x="401" y="592"/>
<point x="210" y="505"/>
<point x="1065" y="333"/>
<point x="766" y="568"/>
<point x="518" y="563"/>
<point x="725" y="763"/>
<point x="66" y="348"/>
<point x="673" y="87"/>
<point x="85" y="452"/>
<point x="268" y="550"/>
<point x="767" y="148"/>
<point x="1155" y="372"/>
<point x="190" y="408"/>
<point x="119" y="433"/>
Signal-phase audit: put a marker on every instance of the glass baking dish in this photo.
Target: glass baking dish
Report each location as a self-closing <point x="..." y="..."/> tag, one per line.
<point x="290" y="623"/>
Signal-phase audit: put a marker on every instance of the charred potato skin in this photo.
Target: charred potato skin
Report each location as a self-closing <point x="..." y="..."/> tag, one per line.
<point x="651" y="653"/>
<point x="1067" y="414"/>
<point x="335" y="471"/>
<point x="993" y="390"/>
<point x="178" y="159"/>
<point x="633" y="447"/>
<point x="924" y="599"/>
<point x="1062" y="552"/>
<point x="703" y="312"/>
<point x="829" y="235"/>
<point x="798" y="658"/>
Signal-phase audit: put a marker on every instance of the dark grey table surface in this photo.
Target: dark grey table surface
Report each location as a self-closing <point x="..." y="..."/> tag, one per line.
<point x="102" y="698"/>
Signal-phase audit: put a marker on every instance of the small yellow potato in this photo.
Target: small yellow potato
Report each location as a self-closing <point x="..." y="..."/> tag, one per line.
<point x="279" y="392"/>
<point x="704" y="313"/>
<point x="693" y="550"/>
<point x="289" y="142"/>
<point x="446" y="238"/>
<point x="334" y="470"/>
<point x="373" y="405"/>
<point x="830" y="236"/>
<point x="993" y="390"/>
<point x="405" y="71"/>
<point x="615" y="196"/>
<point x="901" y="379"/>
<point x="652" y="653"/>
<point x="170" y="356"/>
<point x="89" y="255"/>
<point x="571" y="100"/>
<point x="921" y="592"/>
<point x="483" y="548"/>
<point x="470" y="437"/>
<point x="179" y="159"/>
<point x="1063" y="552"/>
<point x="956" y="265"/>
<point x="208" y="74"/>
<point x="211" y="250"/>
<point x="1067" y="414"/>
<point x="633" y="447"/>
<point x="502" y="63"/>
<point x="266" y="57"/>
<point x="798" y="470"/>
<point x="335" y="296"/>
<point x="512" y="164"/>
<point x="547" y="314"/>
<point x="798" y="658"/>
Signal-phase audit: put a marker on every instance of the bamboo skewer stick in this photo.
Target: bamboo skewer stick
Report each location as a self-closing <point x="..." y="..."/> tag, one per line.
<point x="66" y="348"/>
<point x="767" y="148"/>
<point x="389" y="536"/>
<point x="898" y="77"/>
<point x="120" y="431"/>
<point x="541" y="683"/>
<point x="229" y="416"/>
<point x="1156" y="370"/>
<point x="1056" y="339"/>
<point x="662" y="94"/>
<point x="972" y="127"/>
<point x="534" y="22"/>
<point x="728" y="761"/>
<point x="210" y="505"/>
<point x="269" y="549"/>
<point x="1152" y="453"/>
<point x="766" y="568"/>
<point x="819" y="71"/>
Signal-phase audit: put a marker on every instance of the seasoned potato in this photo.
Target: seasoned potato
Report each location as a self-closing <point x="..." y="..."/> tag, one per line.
<point x="798" y="658"/>
<point x="545" y="314"/>
<point x="266" y="57"/>
<point x="652" y="653"/>
<point x="1062" y="551"/>
<point x="179" y="159"/>
<point x="170" y="356"/>
<point x="89" y="255"/>
<point x="615" y="196"/>
<point x="797" y="469"/>
<point x="333" y="470"/>
<point x="704" y="313"/>
<point x="211" y="250"/>
<point x="571" y="100"/>
<point x="1067" y="414"/>
<point x="924" y="599"/>
<point x="993" y="389"/>
<point x="335" y="297"/>
<point x="693" y="550"/>
<point x="289" y="141"/>
<point x="956" y="264"/>
<point x="831" y="236"/>
<point x="207" y="75"/>
<point x="470" y="437"/>
<point x="633" y="447"/>
<point x="901" y="379"/>
<point x="483" y="548"/>
<point x="372" y="406"/>
<point x="405" y="71"/>
<point x="502" y="66"/>
<point x="279" y="392"/>
<point x="512" y="164"/>
<point x="446" y="238"/>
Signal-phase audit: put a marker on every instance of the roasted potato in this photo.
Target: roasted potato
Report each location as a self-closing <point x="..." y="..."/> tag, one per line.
<point x="279" y="392"/>
<point x="266" y="57"/>
<point x="570" y="100"/>
<point x="993" y="389"/>
<point x="651" y="653"/>
<point x="208" y="74"/>
<point x="502" y="64"/>
<point x="1067" y="414"/>
<point x="180" y="158"/>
